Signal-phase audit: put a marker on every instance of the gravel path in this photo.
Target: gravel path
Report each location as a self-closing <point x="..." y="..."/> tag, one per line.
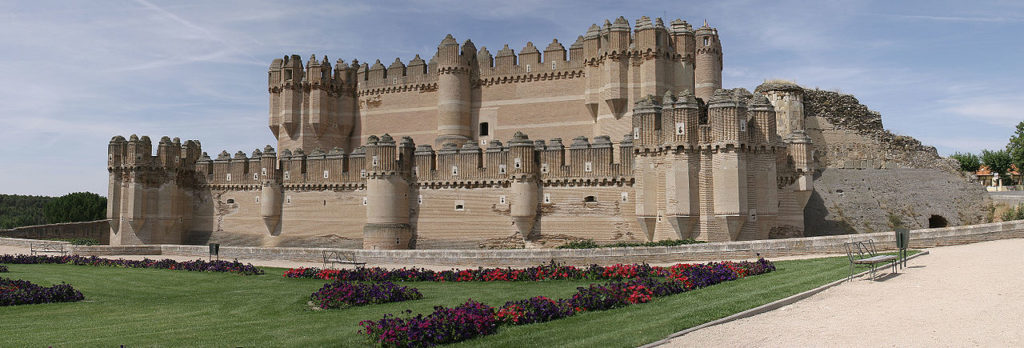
<point x="964" y="295"/>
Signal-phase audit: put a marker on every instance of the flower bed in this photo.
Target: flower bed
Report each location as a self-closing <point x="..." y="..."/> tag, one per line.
<point x="3" y="268"/>
<point x="195" y="266"/>
<point x="18" y="292"/>
<point x="392" y="332"/>
<point x="546" y="272"/>
<point x="342" y="294"/>
<point x="444" y="325"/>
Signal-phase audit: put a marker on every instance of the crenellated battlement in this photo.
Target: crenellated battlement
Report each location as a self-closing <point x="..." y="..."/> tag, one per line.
<point x="675" y="122"/>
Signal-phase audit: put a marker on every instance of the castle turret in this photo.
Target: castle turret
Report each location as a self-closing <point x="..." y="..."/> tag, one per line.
<point x="524" y="187"/>
<point x="149" y="197"/>
<point x="684" y="44"/>
<point x="646" y="116"/>
<point x="616" y="89"/>
<point x="652" y="43"/>
<point x="787" y="98"/>
<point x="313" y="106"/>
<point x="726" y="116"/>
<point x="453" y="93"/>
<point x="387" y="195"/>
<point x="591" y="51"/>
<point x="115" y="158"/>
<point x="271" y="191"/>
<point x="708" y="64"/>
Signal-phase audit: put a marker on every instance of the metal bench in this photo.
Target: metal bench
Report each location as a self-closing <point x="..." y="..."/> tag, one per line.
<point x="39" y="248"/>
<point x="867" y="255"/>
<point x="342" y="257"/>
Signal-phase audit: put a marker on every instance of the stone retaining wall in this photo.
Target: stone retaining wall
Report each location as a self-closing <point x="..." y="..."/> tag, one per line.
<point x="98" y="230"/>
<point x="924" y="238"/>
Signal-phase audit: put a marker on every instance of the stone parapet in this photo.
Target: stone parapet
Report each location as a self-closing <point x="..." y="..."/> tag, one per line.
<point x="919" y="239"/>
<point x="98" y="230"/>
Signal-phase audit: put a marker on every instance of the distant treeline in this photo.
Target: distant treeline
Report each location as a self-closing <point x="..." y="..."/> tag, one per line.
<point x="19" y="210"/>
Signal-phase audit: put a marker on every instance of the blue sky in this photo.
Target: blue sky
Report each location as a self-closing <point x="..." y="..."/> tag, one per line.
<point x="76" y="73"/>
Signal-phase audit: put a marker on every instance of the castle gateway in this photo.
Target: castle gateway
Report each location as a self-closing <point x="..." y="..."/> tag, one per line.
<point x="625" y="136"/>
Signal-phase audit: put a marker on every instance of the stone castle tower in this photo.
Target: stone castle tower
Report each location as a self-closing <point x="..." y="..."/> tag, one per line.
<point x="695" y="161"/>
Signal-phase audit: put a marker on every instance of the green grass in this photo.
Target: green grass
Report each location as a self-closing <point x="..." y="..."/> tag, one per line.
<point x="141" y="307"/>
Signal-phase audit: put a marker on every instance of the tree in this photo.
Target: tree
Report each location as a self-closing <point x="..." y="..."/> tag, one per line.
<point x="1015" y="148"/>
<point x="969" y="162"/>
<point x="73" y="207"/>
<point x="997" y="161"/>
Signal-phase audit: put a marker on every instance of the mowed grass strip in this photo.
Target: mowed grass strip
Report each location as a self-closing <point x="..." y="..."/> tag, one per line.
<point x="141" y="307"/>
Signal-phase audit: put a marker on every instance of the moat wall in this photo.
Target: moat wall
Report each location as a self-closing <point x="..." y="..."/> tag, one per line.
<point x="97" y="230"/>
<point x="919" y="239"/>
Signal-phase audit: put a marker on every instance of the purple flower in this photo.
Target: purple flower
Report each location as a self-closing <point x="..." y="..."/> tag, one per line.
<point x="196" y="265"/>
<point x="18" y="292"/>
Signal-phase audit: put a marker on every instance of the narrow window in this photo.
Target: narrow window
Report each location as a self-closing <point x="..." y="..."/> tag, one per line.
<point x="554" y="65"/>
<point x="705" y="41"/>
<point x="484" y="129"/>
<point x="257" y="199"/>
<point x="394" y="81"/>
<point x="416" y="170"/>
<point x="588" y="167"/>
<point x="229" y="177"/>
<point x="288" y="199"/>
<point x="362" y="173"/>
<point x="263" y="171"/>
<point x="589" y="199"/>
<point x="364" y="201"/>
<point x="501" y="199"/>
<point x="517" y="163"/>
<point x="231" y="201"/>
<point x="455" y="170"/>
<point x="527" y="67"/>
<point x="419" y="199"/>
<point x="460" y="205"/>
<point x="625" y="197"/>
<point x="547" y="198"/>
<point x="501" y="169"/>
<point x="287" y="175"/>
<point x="636" y="133"/>
<point x="326" y="173"/>
<point x="544" y="168"/>
<point x="743" y="125"/>
<point x="375" y="161"/>
<point x="680" y="128"/>
<point x="255" y="176"/>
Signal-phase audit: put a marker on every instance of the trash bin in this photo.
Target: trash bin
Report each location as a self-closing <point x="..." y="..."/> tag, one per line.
<point x="902" y="242"/>
<point x="214" y="251"/>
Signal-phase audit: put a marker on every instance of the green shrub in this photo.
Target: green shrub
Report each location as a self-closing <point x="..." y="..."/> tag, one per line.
<point x="590" y="244"/>
<point x="78" y="241"/>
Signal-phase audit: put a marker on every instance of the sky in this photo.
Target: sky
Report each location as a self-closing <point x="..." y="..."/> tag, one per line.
<point x="76" y="73"/>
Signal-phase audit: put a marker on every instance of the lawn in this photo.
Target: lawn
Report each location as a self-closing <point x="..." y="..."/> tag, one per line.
<point x="144" y="307"/>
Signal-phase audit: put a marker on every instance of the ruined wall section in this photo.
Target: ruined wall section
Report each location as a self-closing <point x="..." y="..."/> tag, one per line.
<point x="870" y="178"/>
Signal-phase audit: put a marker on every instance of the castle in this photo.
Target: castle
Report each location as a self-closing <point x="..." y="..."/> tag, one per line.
<point x="412" y="155"/>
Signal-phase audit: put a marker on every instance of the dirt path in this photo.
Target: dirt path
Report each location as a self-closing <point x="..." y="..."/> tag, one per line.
<point x="965" y="295"/>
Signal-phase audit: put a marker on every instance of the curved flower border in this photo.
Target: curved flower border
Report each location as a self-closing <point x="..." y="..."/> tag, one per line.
<point x="342" y="294"/>
<point x="472" y="319"/>
<point x="194" y="266"/>
<point x="19" y="292"/>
